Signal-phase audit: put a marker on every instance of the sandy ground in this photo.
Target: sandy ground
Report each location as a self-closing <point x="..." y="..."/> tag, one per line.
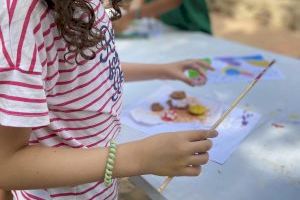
<point x="248" y="32"/>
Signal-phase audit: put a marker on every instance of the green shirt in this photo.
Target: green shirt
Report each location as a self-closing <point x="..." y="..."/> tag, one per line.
<point x="191" y="15"/>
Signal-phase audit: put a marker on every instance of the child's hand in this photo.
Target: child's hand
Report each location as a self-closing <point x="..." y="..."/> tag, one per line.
<point x="176" y="154"/>
<point x="175" y="71"/>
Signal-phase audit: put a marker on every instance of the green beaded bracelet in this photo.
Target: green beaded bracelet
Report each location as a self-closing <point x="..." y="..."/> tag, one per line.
<point x="110" y="164"/>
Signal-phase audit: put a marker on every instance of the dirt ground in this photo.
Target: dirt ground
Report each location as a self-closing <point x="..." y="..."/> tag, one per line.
<point x="279" y="40"/>
<point x="267" y="24"/>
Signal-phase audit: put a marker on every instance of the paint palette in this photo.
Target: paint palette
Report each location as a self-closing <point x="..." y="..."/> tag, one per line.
<point x="232" y="130"/>
<point x="143" y="114"/>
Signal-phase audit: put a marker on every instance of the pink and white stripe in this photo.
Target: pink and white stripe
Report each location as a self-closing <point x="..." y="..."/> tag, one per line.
<point x="65" y="104"/>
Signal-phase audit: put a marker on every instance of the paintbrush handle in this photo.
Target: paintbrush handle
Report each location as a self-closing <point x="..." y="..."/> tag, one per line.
<point x="215" y="125"/>
<point x="165" y="184"/>
<point x="233" y="105"/>
<point x="239" y="98"/>
<point x="225" y="114"/>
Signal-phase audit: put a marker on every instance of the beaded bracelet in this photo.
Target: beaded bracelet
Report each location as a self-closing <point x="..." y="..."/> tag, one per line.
<point x="110" y="164"/>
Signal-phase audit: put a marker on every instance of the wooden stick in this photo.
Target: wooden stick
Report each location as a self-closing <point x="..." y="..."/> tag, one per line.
<point x="225" y="114"/>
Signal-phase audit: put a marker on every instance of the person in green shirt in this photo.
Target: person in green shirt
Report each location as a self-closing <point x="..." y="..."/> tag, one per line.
<point x="191" y="15"/>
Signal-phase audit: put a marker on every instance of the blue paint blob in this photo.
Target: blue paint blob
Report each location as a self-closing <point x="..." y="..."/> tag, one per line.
<point x="230" y="61"/>
<point x="233" y="72"/>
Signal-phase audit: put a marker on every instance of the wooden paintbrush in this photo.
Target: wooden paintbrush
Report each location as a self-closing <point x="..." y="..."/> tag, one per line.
<point x="225" y="114"/>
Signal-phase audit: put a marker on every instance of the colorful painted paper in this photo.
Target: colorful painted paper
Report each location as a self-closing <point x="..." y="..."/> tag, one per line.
<point x="231" y="69"/>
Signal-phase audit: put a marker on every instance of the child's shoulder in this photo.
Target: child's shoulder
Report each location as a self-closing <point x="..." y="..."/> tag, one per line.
<point x="98" y="7"/>
<point x="15" y="10"/>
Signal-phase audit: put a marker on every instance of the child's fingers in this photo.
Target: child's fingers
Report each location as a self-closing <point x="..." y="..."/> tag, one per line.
<point x="191" y="82"/>
<point x="202" y="135"/>
<point x="212" y="134"/>
<point x="201" y="64"/>
<point x="198" y="68"/>
<point x="188" y="81"/>
<point x="204" y="64"/>
<point x="200" y="146"/>
<point x="197" y="160"/>
<point x="182" y="77"/>
<point x="191" y="171"/>
<point x="202" y="75"/>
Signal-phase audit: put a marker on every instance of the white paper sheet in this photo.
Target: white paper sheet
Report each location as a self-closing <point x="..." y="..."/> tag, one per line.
<point x="231" y="131"/>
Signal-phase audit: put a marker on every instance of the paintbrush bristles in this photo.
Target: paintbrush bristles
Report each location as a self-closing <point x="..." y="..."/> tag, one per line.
<point x="225" y="114"/>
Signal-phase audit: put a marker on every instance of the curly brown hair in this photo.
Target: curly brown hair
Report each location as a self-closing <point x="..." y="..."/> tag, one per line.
<point x="80" y="34"/>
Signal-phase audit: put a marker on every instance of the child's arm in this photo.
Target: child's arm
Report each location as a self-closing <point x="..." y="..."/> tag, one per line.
<point x="32" y="167"/>
<point x="171" y="71"/>
<point x="5" y="195"/>
<point x="27" y="167"/>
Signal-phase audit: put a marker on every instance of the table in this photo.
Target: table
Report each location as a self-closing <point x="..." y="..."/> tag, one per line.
<point x="267" y="164"/>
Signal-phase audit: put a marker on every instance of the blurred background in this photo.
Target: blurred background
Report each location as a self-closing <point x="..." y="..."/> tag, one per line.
<point x="269" y="24"/>
<point x="273" y="25"/>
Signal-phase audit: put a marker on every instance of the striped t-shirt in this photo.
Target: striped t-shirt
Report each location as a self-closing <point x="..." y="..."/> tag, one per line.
<point x="66" y="104"/>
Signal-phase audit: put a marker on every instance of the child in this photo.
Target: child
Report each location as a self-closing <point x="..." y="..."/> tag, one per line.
<point x="60" y="101"/>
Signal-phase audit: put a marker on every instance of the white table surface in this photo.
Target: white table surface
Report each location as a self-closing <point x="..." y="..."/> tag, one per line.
<point x="267" y="163"/>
